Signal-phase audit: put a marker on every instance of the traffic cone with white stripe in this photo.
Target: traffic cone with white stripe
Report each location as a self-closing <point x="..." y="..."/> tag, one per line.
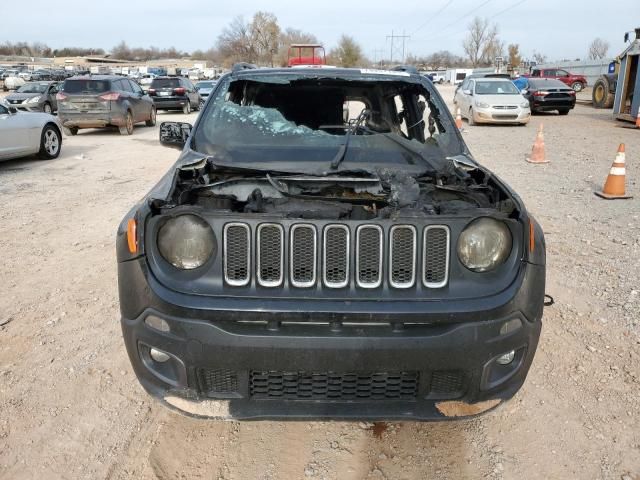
<point x="537" y="154"/>
<point x="458" y="119"/>
<point x="614" y="185"/>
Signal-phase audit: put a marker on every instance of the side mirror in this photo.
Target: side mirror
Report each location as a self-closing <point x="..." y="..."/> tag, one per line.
<point x="174" y="134"/>
<point x="466" y="91"/>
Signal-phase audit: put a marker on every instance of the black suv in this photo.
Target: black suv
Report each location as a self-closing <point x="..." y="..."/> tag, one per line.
<point x="101" y="101"/>
<point x="327" y="247"/>
<point x="174" y="93"/>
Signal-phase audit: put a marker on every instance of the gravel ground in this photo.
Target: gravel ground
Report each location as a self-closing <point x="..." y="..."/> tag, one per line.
<point x="70" y="406"/>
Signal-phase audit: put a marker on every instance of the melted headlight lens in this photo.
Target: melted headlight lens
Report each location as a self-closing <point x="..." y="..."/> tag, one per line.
<point x="186" y="242"/>
<point x="484" y="244"/>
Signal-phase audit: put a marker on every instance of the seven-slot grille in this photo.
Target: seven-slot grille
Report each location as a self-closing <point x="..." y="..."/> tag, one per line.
<point x="304" y="248"/>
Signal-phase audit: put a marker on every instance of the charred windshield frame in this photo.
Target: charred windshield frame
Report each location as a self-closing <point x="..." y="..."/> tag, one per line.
<point x="433" y="129"/>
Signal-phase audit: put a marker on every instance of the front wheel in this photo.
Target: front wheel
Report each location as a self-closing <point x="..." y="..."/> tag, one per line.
<point x="472" y="121"/>
<point x="127" y="129"/>
<point x="47" y="108"/>
<point x="152" y="118"/>
<point x="70" y="131"/>
<point x="50" y="143"/>
<point x="577" y="86"/>
<point x="186" y="108"/>
<point x="563" y="111"/>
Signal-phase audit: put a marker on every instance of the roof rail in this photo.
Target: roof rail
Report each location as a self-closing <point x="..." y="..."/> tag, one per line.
<point x="405" y="68"/>
<point x="243" y="66"/>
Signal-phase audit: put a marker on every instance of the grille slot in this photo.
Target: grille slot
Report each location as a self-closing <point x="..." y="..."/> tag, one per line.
<point x="334" y="385"/>
<point x="237" y="256"/>
<point x="369" y="256"/>
<point x="217" y="381"/>
<point x="270" y="257"/>
<point x="304" y="255"/>
<point x="402" y="256"/>
<point x="435" y="256"/>
<point x="336" y="256"/>
<point x="447" y="384"/>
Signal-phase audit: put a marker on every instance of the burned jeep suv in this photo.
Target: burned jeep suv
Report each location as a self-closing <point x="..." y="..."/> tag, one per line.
<point x="327" y="247"/>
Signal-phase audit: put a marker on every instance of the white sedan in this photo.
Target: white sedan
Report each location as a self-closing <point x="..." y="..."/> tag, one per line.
<point x="25" y="133"/>
<point x="492" y="100"/>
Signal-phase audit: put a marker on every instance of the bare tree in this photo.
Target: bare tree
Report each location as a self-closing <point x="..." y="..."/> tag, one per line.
<point x="598" y="49"/>
<point x="235" y="43"/>
<point x="265" y="36"/>
<point x="482" y="44"/>
<point x="539" y="57"/>
<point x="348" y="53"/>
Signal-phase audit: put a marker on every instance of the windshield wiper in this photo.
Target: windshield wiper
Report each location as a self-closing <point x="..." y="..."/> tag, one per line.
<point x="342" y="152"/>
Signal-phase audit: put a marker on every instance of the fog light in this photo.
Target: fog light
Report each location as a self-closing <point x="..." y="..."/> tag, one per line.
<point x="505" y="359"/>
<point x="157" y="323"/>
<point x="161" y="357"/>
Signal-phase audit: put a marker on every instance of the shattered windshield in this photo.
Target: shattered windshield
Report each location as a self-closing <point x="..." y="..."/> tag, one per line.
<point x="292" y="118"/>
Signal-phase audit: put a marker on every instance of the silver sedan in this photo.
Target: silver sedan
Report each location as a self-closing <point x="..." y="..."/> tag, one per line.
<point x="23" y="134"/>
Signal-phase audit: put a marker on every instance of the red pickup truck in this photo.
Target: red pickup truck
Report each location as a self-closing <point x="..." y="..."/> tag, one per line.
<point x="577" y="82"/>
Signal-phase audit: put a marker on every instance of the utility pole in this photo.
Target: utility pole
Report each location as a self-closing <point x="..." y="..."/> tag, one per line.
<point x="376" y="52"/>
<point x="393" y="37"/>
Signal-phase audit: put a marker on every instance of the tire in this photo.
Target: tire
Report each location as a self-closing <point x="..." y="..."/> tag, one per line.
<point x="186" y="108"/>
<point x="46" y="108"/>
<point x="50" y="142"/>
<point x="472" y="121"/>
<point x="577" y="86"/>
<point x="563" y="111"/>
<point x="601" y="97"/>
<point x="152" y="118"/>
<point x="71" y="131"/>
<point x="128" y="125"/>
<point x="202" y="102"/>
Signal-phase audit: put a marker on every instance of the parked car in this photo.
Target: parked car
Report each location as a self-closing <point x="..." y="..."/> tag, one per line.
<point x="205" y="87"/>
<point x="12" y="83"/>
<point x="294" y="264"/>
<point x="492" y="100"/>
<point x="576" y="82"/>
<point x="35" y="97"/>
<point x="25" y="75"/>
<point x="548" y="94"/>
<point x="24" y="134"/>
<point x="174" y="93"/>
<point x="102" y="101"/>
<point x="483" y="75"/>
<point x="145" y="81"/>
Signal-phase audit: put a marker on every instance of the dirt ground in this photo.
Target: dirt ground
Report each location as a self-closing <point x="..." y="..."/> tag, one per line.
<point x="71" y="408"/>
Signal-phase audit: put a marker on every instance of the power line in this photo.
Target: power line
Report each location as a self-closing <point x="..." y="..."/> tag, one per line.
<point x="507" y="9"/>
<point x="468" y="13"/>
<point x="432" y="17"/>
<point x="393" y="37"/>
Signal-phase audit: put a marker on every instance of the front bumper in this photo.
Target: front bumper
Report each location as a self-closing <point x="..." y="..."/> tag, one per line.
<point x="494" y="115"/>
<point x="255" y="362"/>
<point x="91" y="120"/>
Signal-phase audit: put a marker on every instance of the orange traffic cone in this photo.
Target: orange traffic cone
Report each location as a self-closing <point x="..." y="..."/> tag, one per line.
<point x="638" y="120"/>
<point x="537" y="154"/>
<point x="614" y="185"/>
<point x="458" y="119"/>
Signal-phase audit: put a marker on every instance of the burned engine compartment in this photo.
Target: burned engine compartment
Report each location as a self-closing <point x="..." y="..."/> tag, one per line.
<point x="381" y="194"/>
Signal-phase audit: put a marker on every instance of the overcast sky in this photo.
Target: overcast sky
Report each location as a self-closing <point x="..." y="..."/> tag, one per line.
<point x="556" y="28"/>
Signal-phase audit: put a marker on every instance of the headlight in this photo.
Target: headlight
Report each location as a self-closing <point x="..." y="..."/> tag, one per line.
<point x="484" y="244"/>
<point x="482" y="105"/>
<point x="524" y="105"/>
<point x="33" y="100"/>
<point x="186" y="242"/>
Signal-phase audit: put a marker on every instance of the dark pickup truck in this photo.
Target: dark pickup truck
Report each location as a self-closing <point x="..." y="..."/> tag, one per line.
<point x="327" y="247"/>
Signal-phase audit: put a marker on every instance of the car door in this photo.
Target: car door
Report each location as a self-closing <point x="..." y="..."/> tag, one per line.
<point x="15" y="134"/>
<point x="191" y="91"/>
<point x="51" y="93"/>
<point x="563" y="76"/>
<point x="458" y="96"/>
<point x="145" y="102"/>
<point x="126" y="91"/>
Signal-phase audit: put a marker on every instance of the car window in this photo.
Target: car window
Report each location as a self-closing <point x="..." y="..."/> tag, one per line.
<point x="465" y="84"/>
<point x="496" y="88"/>
<point x="125" y="86"/>
<point x="562" y="73"/>
<point x="165" y="83"/>
<point x="86" y="86"/>
<point x="136" y="88"/>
